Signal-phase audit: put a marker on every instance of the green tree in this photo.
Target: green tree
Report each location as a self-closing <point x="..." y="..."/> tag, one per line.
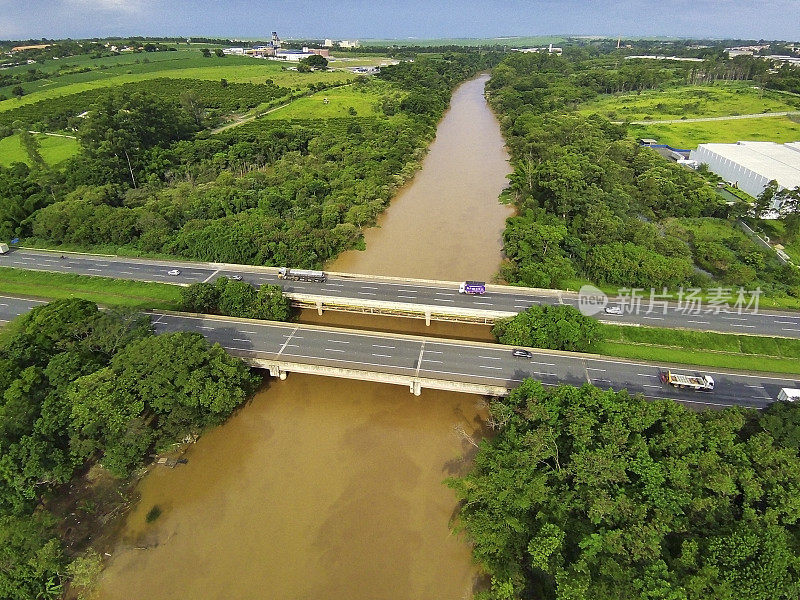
<point x="206" y="52"/>
<point x="17" y="91"/>
<point x="219" y="53"/>
<point x="559" y="327"/>
<point x="32" y="558"/>
<point x="315" y="61"/>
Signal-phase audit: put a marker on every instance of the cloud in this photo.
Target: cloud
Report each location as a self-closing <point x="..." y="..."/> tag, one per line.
<point x="117" y="6"/>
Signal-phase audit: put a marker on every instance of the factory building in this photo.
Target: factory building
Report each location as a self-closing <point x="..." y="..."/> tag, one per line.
<point x="752" y="165"/>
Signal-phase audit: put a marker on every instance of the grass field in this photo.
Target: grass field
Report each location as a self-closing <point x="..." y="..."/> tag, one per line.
<point x="364" y="100"/>
<point x="689" y="135"/>
<point x="109" y="292"/>
<point x="234" y="69"/>
<point x="751" y="353"/>
<point x="53" y="149"/>
<point x="719" y="100"/>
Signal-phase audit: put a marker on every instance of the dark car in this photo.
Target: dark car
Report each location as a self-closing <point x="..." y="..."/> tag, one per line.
<point x="522" y="353"/>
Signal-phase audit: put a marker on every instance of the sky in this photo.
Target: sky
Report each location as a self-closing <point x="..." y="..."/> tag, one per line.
<point x="398" y="19"/>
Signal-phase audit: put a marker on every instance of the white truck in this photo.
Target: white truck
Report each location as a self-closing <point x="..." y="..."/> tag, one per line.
<point x="789" y="395"/>
<point x="692" y="382"/>
<point x="301" y="275"/>
<point x="3" y="248"/>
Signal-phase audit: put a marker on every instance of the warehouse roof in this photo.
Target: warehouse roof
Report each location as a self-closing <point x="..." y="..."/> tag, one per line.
<point x="773" y="161"/>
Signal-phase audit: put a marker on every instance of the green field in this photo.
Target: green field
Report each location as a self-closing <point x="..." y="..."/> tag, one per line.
<point x="53" y="149"/>
<point x="744" y="352"/>
<point x="234" y="69"/>
<point x="689" y="135"/>
<point x="719" y="100"/>
<point x="365" y="101"/>
<point x="103" y="290"/>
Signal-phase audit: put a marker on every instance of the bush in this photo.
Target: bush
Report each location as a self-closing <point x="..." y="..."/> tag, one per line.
<point x="559" y="327"/>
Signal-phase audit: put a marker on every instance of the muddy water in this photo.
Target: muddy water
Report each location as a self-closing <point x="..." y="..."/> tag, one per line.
<point x="447" y="223"/>
<point x="328" y="488"/>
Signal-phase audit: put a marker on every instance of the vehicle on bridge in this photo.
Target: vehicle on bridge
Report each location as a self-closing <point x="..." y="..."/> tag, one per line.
<point x="693" y="382"/>
<point x="472" y="287"/>
<point x="3" y="248"/>
<point x="301" y="275"/>
<point x="788" y="395"/>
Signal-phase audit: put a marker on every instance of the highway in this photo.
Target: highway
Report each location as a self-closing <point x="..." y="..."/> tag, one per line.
<point x="439" y="296"/>
<point x="463" y="361"/>
<point x="470" y="362"/>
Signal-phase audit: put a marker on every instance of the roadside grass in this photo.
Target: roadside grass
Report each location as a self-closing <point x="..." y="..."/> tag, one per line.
<point x="53" y="149"/>
<point x="690" y="135"/>
<point x="364" y="100"/>
<point x="707" y="349"/>
<point x="690" y="101"/>
<point x="234" y="69"/>
<point x="103" y="290"/>
<point x="775" y="229"/>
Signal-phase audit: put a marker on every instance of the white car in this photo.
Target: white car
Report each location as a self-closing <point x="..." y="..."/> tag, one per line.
<point x="613" y="310"/>
<point x="174" y="272"/>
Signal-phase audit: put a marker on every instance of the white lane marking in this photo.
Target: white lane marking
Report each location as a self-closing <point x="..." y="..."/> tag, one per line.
<point x="335" y="284"/>
<point x="240" y="340"/>
<point x="654" y="318"/>
<point x="533" y="362"/>
<point x="647" y="375"/>
<point x="734" y="318"/>
<point x="758" y="387"/>
<point x="492" y="357"/>
<point x="651" y="386"/>
<point x="159" y="275"/>
<point x="432" y="360"/>
<point x="444" y="294"/>
<point x="292" y="346"/>
<point x="369" y="287"/>
<point x="337" y="342"/>
<point x="435" y="352"/>
<point x="383" y="355"/>
<point x="488" y="367"/>
<point x="443" y="300"/>
<point x="595" y="369"/>
<point x="3" y="304"/>
<point x="368" y="293"/>
<point x="328" y="290"/>
<point x="334" y="350"/>
<point x="486" y="303"/>
<point x="746" y="326"/>
<point x="381" y="346"/>
<point x="409" y="291"/>
<point x="787" y="323"/>
<point x="135" y="268"/>
<point x="211" y="328"/>
<point x="127" y="272"/>
<point x="95" y="270"/>
<point x="207" y="279"/>
<point x="288" y="339"/>
<point x="250" y="332"/>
<point x="409" y="297"/>
<point x="700" y="322"/>
<point x="788" y="329"/>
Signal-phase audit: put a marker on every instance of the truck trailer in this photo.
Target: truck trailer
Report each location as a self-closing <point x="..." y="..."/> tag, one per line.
<point x="789" y="395"/>
<point x="301" y="275"/>
<point x="472" y="287"/>
<point x="692" y="382"/>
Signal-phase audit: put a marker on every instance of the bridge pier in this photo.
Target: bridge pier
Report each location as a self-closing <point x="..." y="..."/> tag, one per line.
<point x="319" y="307"/>
<point x="276" y="371"/>
<point x="428" y="317"/>
<point x="416" y="388"/>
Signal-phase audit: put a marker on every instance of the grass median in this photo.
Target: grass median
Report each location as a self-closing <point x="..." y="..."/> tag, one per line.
<point x="103" y="290"/>
<point x="719" y="350"/>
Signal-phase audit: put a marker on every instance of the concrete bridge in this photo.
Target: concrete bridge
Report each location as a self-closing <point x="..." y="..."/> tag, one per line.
<point x="417" y="298"/>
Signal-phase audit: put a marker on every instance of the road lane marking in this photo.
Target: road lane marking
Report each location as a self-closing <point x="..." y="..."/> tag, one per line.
<point x="492" y="357"/>
<point x="700" y="322"/>
<point x="484" y="303"/>
<point x="595" y="369"/>
<point x="410" y="297"/>
<point x="432" y="360"/>
<point x="95" y="270"/>
<point x="281" y="349"/>
<point x="334" y="350"/>
<point x="207" y="279"/>
<point x="338" y="341"/>
<point x="788" y="329"/>
<point x="654" y="318"/>
<point x="734" y="318"/>
<point x="746" y="326"/>
<point x="444" y="294"/>
<point x="381" y="346"/>
<point x="240" y="340"/>
<point x="647" y="375"/>
<point x="651" y="386"/>
<point x="787" y="323"/>
<point x="543" y="364"/>
<point x="368" y="293"/>
<point x="489" y="367"/>
<point x="369" y="287"/>
<point x="383" y="355"/>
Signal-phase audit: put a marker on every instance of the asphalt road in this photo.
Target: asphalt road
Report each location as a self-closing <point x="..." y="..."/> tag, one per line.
<point x="465" y="362"/>
<point x="451" y="361"/>
<point x="770" y="323"/>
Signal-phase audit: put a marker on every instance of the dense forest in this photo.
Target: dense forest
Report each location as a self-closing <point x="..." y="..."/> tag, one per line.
<point x="150" y="179"/>
<point x="593" y="205"/>
<point x="80" y="386"/>
<point x="590" y="494"/>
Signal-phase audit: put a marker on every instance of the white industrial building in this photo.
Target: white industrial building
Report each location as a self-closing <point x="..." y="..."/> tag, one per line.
<point x="752" y="165"/>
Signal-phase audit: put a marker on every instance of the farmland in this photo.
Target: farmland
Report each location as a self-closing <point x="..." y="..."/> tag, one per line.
<point x="364" y="101"/>
<point x="689" y="135"/>
<point x="54" y="149"/>
<point x="722" y="99"/>
<point x="187" y="65"/>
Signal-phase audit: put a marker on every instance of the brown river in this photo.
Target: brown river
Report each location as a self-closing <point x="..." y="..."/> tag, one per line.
<point x="329" y="488"/>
